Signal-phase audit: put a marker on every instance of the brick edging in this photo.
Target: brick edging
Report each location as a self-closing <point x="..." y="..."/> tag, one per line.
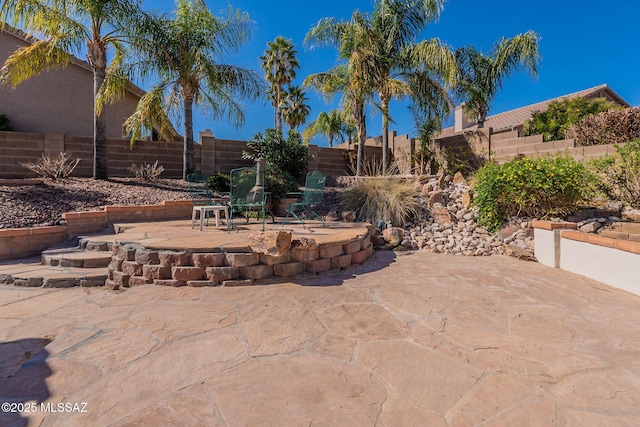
<point x="608" y="242"/>
<point x="24" y="242"/>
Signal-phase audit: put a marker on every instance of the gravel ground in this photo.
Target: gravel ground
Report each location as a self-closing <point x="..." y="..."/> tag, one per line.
<point x="37" y="203"/>
<point x="33" y="204"/>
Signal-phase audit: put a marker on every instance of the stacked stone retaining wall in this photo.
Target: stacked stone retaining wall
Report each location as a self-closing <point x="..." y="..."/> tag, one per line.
<point x="135" y="265"/>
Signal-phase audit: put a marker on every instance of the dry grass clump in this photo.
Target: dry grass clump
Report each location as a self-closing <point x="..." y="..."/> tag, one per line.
<point x="384" y="198"/>
<point x="610" y="127"/>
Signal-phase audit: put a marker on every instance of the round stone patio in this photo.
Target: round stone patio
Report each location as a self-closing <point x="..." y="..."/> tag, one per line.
<point x="406" y="339"/>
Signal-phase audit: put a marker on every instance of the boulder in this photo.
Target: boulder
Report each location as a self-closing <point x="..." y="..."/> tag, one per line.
<point x="458" y="178"/>
<point x="436" y="197"/>
<point x="441" y="215"/>
<point x="393" y="235"/>
<point x="274" y="243"/>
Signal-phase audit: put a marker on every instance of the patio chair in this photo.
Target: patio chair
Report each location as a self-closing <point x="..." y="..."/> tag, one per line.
<point x="245" y="196"/>
<point x="309" y="199"/>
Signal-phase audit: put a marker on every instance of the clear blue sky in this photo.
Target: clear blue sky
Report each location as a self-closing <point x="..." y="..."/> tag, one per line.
<point x="584" y="43"/>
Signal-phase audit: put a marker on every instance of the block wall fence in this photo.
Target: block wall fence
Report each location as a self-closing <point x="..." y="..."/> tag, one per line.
<point x="211" y="155"/>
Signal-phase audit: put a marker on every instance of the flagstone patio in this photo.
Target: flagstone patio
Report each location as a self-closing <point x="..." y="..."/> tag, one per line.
<point x="406" y="339"/>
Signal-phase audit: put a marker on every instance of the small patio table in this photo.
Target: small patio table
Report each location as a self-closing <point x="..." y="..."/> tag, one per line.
<point x="203" y="209"/>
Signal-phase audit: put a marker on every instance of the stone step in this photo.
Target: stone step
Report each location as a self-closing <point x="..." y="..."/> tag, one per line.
<point x="34" y="274"/>
<point x="75" y="257"/>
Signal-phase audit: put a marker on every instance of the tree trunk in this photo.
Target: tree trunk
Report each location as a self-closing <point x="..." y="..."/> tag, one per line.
<point x="100" y="156"/>
<point x="361" y="124"/>
<point x="187" y="153"/>
<point x="278" y="112"/>
<point x="384" y="106"/>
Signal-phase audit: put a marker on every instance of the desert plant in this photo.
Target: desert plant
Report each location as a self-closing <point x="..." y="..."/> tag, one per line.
<point x="536" y="188"/>
<point x="609" y="127"/>
<point x="55" y="169"/>
<point x="386" y="199"/>
<point x="146" y="171"/>
<point x="287" y="155"/>
<point x="620" y="173"/>
<point x="219" y="182"/>
<point x="5" y="124"/>
<point x="560" y="115"/>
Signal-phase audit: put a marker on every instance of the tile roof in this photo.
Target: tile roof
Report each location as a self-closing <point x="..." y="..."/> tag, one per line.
<point x="512" y="118"/>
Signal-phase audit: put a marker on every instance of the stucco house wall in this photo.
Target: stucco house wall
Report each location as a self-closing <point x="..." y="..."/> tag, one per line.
<point x="57" y="101"/>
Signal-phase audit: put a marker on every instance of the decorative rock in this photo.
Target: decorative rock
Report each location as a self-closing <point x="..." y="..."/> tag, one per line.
<point x="274" y="243"/>
<point x="441" y="215"/>
<point x="436" y="197"/>
<point x="332" y="216"/>
<point x="466" y="199"/>
<point x="348" y="216"/>
<point x="519" y="253"/>
<point x="304" y="249"/>
<point x="459" y="179"/>
<point x="393" y="236"/>
<point x="591" y="227"/>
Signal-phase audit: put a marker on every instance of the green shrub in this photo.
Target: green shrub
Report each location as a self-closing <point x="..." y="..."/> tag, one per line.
<point x="620" y="174"/>
<point x="5" y="124"/>
<point x="55" y="169"/>
<point x="279" y="183"/>
<point x="381" y="199"/>
<point x="146" y="171"/>
<point x="560" y="115"/>
<point x="536" y="188"/>
<point x="287" y="155"/>
<point x="219" y="182"/>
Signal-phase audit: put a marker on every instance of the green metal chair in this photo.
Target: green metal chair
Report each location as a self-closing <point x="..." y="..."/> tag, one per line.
<point x="244" y="196"/>
<point x="309" y="199"/>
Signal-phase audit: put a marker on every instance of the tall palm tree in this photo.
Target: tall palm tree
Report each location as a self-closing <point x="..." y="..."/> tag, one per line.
<point x="331" y="125"/>
<point x="404" y="67"/>
<point x="67" y="27"/>
<point x="295" y="110"/>
<point x="355" y="77"/>
<point x="279" y="64"/>
<point x="182" y="53"/>
<point x="481" y="75"/>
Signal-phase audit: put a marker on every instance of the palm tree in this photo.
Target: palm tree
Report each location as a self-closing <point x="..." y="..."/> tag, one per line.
<point x="331" y="125"/>
<point x="355" y="78"/>
<point x="183" y="53"/>
<point x="404" y="67"/>
<point x="279" y="64"/>
<point x="294" y="108"/>
<point x="66" y="27"/>
<point x="481" y="76"/>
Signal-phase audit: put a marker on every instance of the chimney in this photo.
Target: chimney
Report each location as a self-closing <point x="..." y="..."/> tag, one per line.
<point x="461" y="122"/>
